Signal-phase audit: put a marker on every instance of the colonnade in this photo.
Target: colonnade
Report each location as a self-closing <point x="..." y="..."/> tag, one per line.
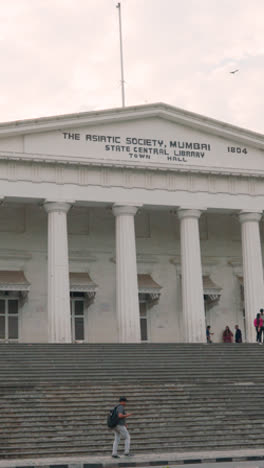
<point x="126" y="273"/>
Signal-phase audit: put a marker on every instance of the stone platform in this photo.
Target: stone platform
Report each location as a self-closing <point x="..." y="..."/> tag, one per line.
<point x="186" y="399"/>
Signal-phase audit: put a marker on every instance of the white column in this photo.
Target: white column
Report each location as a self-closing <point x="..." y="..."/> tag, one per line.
<point x="127" y="302"/>
<point x="252" y="269"/>
<point x="192" y="281"/>
<point x="59" y="316"/>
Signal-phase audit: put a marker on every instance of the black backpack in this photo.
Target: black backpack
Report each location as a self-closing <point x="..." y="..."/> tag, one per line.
<point x="112" y="418"/>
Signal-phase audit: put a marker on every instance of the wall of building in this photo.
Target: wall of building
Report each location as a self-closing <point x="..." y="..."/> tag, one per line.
<point x="23" y="241"/>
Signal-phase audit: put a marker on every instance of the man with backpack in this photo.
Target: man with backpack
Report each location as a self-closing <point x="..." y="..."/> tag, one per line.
<point x="118" y="416"/>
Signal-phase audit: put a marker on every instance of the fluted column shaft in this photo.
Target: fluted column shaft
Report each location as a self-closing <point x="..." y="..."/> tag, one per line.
<point x="192" y="281"/>
<point x="127" y="302"/>
<point x="252" y="270"/>
<point x="59" y="317"/>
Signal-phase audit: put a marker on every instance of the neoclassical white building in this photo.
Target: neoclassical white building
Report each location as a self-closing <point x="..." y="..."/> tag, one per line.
<point x="126" y="225"/>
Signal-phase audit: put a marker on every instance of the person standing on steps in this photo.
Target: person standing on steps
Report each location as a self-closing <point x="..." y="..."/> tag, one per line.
<point x="208" y="334"/>
<point x="258" y="324"/>
<point x="227" y="335"/>
<point x="121" y="429"/>
<point x="238" y="335"/>
<point x="262" y="328"/>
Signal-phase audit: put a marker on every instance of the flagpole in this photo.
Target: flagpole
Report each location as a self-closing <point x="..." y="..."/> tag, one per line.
<point x="118" y="6"/>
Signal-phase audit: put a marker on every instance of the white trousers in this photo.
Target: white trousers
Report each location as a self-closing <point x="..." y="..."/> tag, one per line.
<point x="121" y="432"/>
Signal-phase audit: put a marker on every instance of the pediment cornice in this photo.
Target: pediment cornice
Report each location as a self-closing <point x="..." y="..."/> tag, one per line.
<point x="161" y="110"/>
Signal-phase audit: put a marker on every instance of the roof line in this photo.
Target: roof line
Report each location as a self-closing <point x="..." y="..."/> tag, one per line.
<point x="146" y="110"/>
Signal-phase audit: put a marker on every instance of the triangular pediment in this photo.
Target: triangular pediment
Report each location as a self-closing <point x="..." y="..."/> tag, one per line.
<point x="152" y="136"/>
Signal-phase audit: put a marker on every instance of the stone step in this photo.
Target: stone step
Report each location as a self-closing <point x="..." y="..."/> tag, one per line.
<point x="170" y="447"/>
<point x="198" y="421"/>
<point x="138" y="431"/>
<point x="175" y="390"/>
<point x="197" y="376"/>
<point x="21" y="413"/>
<point x="140" y="445"/>
<point x="151" y="402"/>
<point x="74" y="419"/>
<point x="28" y="432"/>
<point x="183" y="396"/>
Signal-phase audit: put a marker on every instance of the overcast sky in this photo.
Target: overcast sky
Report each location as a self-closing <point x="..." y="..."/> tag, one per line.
<point x="62" y="56"/>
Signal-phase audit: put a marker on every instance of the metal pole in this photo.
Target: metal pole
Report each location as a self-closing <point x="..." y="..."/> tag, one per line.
<point x="121" y="55"/>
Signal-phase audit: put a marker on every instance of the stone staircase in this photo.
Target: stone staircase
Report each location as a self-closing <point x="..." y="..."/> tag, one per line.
<point x="54" y="398"/>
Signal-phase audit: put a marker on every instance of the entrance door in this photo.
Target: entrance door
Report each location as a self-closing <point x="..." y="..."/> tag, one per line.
<point x="144" y="325"/>
<point x="77" y="317"/>
<point x="9" y="319"/>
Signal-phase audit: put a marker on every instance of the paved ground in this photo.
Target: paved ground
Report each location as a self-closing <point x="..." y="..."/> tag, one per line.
<point x="201" y="465"/>
<point x="204" y="465"/>
<point x="221" y="465"/>
<point x="212" y="459"/>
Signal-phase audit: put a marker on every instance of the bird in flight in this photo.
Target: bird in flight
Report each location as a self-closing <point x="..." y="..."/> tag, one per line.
<point x="234" y="71"/>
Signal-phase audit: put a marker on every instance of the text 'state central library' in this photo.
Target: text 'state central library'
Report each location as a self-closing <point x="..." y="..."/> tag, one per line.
<point x="126" y="225"/>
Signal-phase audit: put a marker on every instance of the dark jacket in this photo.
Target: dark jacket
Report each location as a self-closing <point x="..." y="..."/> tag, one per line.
<point x="238" y="336"/>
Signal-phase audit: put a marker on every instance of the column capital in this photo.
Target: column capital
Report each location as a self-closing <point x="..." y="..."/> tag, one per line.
<point x="245" y="216"/>
<point x="124" y="210"/>
<point x="57" y="206"/>
<point x="188" y="213"/>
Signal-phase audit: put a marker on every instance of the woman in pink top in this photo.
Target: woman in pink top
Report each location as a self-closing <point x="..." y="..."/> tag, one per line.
<point x="258" y="323"/>
<point x="227" y="336"/>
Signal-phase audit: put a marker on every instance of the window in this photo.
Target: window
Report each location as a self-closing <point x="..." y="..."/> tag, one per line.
<point x="8" y="319"/>
<point x="77" y="316"/>
<point x="143" y="321"/>
<point x="142" y="225"/>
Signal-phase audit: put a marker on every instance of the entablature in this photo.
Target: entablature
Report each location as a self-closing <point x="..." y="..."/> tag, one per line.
<point x="130" y="178"/>
<point x="84" y="162"/>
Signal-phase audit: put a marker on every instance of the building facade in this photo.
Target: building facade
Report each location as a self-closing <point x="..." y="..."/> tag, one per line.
<point x="128" y="225"/>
